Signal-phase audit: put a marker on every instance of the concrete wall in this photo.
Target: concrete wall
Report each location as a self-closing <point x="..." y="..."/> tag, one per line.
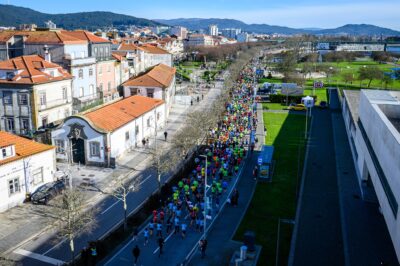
<point x="385" y="140"/>
<point x="22" y="170"/>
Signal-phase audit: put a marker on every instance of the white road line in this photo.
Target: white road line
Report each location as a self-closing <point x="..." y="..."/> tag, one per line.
<point x="112" y="205"/>
<point x="144" y="180"/>
<point x="40" y="257"/>
<point x="115" y="203"/>
<point x="55" y="246"/>
<point x="155" y="251"/>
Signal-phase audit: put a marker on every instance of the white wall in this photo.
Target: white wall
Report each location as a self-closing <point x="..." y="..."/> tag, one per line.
<point x="15" y="169"/>
<point x="92" y="135"/>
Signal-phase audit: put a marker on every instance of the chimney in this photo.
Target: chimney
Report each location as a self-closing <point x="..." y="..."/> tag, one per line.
<point x="47" y="55"/>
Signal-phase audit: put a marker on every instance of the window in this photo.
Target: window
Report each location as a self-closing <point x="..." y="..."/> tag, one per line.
<point x="13" y="186"/>
<point x="66" y="112"/>
<point x="91" y="90"/>
<point x="127" y="135"/>
<point x="44" y="121"/>
<point x="95" y="51"/>
<point x="81" y="92"/>
<point x="60" y="146"/>
<point x="10" y="124"/>
<point x="134" y="91"/>
<point x="25" y="123"/>
<point x="150" y="93"/>
<point x="42" y="98"/>
<point x="94" y="149"/>
<point x="106" y="50"/>
<point x="109" y="86"/>
<point x="148" y="122"/>
<point x="90" y="72"/>
<point x="158" y="116"/>
<point x="37" y="176"/>
<point x="52" y="73"/>
<point x="101" y="87"/>
<point x="23" y="99"/>
<point x="64" y="93"/>
<point x="4" y="152"/>
<point x="100" y="70"/>
<point x="80" y="75"/>
<point x="136" y="130"/>
<point x="7" y="98"/>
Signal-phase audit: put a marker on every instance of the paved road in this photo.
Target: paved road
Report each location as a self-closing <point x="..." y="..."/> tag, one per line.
<point x="318" y="230"/>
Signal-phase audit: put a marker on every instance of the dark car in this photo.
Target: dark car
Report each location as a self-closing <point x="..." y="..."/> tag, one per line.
<point x="46" y="192"/>
<point x="323" y="105"/>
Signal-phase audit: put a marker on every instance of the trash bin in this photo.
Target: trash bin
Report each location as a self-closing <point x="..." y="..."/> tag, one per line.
<point x="249" y="240"/>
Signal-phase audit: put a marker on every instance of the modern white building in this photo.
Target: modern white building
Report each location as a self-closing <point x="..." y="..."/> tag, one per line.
<point x="213" y="30"/>
<point x="199" y="40"/>
<point x="24" y="166"/>
<point x="372" y="121"/>
<point x="101" y="136"/>
<point x="230" y="32"/>
<point x="158" y="83"/>
<point x="34" y="93"/>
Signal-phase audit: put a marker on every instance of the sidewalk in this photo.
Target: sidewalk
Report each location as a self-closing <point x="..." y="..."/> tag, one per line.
<point x="15" y="231"/>
<point x="220" y="245"/>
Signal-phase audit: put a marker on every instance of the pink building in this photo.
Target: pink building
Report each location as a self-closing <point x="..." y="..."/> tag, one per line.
<point x="106" y="80"/>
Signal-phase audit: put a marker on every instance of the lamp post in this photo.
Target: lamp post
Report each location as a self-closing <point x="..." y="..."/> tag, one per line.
<point x="205" y="198"/>
<point x="287" y="221"/>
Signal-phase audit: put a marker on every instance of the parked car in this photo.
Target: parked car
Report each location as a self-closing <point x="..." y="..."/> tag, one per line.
<point x="47" y="191"/>
<point x="323" y="105"/>
<point x="297" y="107"/>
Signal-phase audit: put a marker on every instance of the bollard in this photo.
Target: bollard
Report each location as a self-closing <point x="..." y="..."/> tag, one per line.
<point x="243" y="251"/>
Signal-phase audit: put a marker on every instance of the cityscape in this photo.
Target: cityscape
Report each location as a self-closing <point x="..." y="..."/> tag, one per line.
<point x="199" y="133"/>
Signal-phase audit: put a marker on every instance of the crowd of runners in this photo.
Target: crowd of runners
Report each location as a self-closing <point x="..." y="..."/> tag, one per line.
<point x="228" y="142"/>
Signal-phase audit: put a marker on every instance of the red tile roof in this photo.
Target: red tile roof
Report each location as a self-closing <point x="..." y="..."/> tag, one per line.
<point x="30" y="70"/>
<point x="160" y="76"/>
<point x="50" y="37"/>
<point x="118" y="114"/>
<point x="128" y="47"/>
<point x="5" y="36"/>
<point x="85" y="36"/>
<point x="151" y="49"/>
<point x="23" y="147"/>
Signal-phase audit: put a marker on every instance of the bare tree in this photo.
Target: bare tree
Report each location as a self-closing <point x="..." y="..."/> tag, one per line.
<point x="72" y="216"/>
<point x="163" y="162"/>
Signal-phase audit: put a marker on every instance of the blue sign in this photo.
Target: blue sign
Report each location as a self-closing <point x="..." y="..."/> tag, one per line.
<point x="260" y="160"/>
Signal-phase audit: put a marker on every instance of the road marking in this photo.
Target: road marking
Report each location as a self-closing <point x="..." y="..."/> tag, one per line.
<point x="40" y="257"/>
<point x="115" y="203"/>
<point x="55" y="246"/>
<point x="112" y="205"/>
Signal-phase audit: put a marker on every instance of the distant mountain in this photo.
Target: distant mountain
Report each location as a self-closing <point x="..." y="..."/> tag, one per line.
<point x="350" y="29"/>
<point x="13" y="16"/>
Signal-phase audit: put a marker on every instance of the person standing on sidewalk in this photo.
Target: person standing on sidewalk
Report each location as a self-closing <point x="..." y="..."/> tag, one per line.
<point x="165" y="135"/>
<point x="136" y="254"/>
<point x="160" y="245"/>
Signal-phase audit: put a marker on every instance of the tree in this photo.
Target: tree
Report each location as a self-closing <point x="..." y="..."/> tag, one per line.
<point x="387" y="80"/>
<point x="348" y="78"/>
<point x="163" y="162"/>
<point x="72" y="216"/>
<point x="369" y="73"/>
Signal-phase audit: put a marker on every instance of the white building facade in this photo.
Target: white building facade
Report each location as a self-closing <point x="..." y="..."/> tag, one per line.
<point x="24" y="166"/>
<point x="372" y="121"/>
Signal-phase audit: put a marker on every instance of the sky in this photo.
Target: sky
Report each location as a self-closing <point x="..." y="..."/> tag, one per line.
<point x="291" y="13"/>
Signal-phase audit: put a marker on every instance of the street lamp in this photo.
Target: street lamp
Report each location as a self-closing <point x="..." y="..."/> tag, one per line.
<point x="205" y="198"/>
<point x="286" y="221"/>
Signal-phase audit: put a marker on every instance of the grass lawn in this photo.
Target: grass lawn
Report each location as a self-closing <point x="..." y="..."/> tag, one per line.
<point x="320" y="93"/>
<point x="274" y="106"/>
<point x="277" y="199"/>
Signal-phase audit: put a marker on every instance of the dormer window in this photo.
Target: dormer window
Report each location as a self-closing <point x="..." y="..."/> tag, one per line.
<point x="7" y="152"/>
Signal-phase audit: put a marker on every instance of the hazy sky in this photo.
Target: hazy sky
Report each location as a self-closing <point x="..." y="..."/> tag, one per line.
<point x="292" y="13"/>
